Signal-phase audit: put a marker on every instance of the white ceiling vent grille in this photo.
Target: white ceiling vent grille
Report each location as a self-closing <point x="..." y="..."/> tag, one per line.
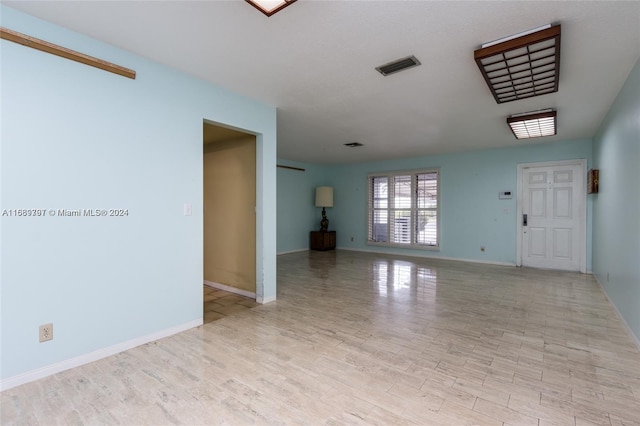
<point x="399" y="65"/>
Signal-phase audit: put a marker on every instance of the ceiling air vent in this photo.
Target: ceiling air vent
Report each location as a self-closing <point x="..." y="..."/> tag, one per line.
<point x="399" y="65"/>
<point x="353" y="144"/>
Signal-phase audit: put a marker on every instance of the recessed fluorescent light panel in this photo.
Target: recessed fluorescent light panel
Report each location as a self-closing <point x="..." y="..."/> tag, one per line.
<point x="398" y="65"/>
<point x="522" y="65"/>
<point x="533" y="124"/>
<point x="269" y="7"/>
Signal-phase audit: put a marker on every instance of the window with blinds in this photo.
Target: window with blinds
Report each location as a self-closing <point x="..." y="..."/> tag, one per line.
<point x="403" y="209"/>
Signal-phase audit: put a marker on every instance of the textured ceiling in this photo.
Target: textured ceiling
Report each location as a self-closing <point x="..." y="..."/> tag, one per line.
<point x="315" y="62"/>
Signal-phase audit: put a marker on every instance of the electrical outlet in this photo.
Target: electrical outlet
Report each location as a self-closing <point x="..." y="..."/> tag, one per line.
<point x="46" y="332"/>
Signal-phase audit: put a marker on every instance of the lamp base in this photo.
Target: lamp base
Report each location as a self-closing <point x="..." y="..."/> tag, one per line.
<point x="324" y="223"/>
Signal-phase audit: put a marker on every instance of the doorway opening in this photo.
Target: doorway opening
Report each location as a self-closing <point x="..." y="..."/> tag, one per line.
<point x="229" y="220"/>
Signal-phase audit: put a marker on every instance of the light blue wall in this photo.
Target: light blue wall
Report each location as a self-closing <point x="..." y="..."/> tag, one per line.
<point x="297" y="214"/>
<point x="616" y="208"/>
<point x="471" y="213"/>
<point x="76" y="137"/>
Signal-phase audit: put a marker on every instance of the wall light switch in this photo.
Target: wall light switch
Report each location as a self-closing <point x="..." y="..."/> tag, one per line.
<point x="187" y="209"/>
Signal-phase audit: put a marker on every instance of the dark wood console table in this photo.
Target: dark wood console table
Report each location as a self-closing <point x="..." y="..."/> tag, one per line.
<point x="319" y="240"/>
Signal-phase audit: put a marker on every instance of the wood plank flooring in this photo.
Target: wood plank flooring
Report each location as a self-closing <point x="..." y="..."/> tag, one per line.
<point x="365" y="339"/>
<point x="221" y="303"/>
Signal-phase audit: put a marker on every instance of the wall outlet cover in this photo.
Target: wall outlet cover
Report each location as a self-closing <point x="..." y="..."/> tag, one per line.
<point x="46" y="332"/>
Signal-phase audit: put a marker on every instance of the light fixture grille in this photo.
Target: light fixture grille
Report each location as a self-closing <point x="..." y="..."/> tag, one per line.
<point x="269" y="7"/>
<point x="522" y="67"/>
<point x="533" y="125"/>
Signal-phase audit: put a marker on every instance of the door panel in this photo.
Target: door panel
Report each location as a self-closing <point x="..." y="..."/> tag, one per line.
<point x="538" y="242"/>
<point x="538" y="202"/>
<point x="537" y="177"/>
<point x="553" y="236"/>
<point x="564" y="176"/>
<point x="562" y="239"/>
<point x="562" y="203"/>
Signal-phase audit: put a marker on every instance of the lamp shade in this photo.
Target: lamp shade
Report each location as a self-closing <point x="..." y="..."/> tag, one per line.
<point x="324" y="196"/>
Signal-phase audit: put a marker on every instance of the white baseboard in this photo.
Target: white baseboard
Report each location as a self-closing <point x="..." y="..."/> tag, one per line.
<point x="292" y="251"/>
<point x="635" y="338"/>
<point x="67" y="364"/>
<point x="230" y="289"/>
<point x="263" y="300"/>
<point x="429" y="256"/>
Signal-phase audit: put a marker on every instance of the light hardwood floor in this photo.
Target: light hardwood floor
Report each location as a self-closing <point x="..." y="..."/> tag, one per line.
<point x="221" y="303"/>
<point x="359" y="338"/>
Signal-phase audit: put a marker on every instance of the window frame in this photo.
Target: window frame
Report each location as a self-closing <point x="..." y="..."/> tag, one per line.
<point x="390" y="209"/>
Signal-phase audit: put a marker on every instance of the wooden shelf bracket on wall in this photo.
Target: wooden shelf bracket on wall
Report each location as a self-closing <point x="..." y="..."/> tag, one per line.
<point x="63" y="52"/>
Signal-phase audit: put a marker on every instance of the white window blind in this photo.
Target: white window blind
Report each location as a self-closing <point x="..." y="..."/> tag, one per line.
<point x="403" y="209"/>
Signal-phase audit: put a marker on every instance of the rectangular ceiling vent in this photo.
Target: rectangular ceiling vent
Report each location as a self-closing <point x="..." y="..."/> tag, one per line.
<point x="399" y="65"/>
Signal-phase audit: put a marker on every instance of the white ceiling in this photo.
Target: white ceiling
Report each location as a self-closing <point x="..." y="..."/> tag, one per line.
<point x="315" y="62"/>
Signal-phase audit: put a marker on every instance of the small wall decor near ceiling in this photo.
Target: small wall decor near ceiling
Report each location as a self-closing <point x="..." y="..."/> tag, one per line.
<point x="533" y="124"/>
<point x="523" y="65"/>
<point x="269" y="7"/>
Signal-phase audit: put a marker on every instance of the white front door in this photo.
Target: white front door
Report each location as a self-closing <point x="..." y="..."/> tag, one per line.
<point x="553" y="216"/>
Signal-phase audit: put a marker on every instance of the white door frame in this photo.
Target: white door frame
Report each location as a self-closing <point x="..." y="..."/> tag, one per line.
<point x="582" y="194"/>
